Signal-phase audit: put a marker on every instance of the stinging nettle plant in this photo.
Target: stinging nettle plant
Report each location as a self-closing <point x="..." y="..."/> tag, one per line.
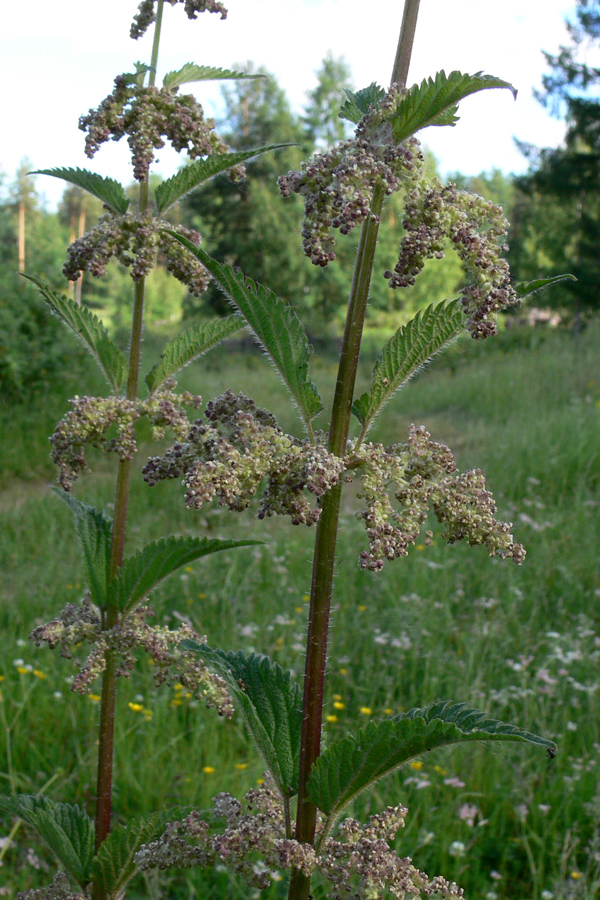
<point x="235" y="452"/>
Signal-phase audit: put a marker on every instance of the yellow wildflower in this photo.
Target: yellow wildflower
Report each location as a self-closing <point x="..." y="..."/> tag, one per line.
<point x="136" y="707"/>
<point x="332" y="718"/>
<point x="189" y="569"/>
<point x="209" y="770"/>
<point x="39" y="674"/>
<point x="416" y="764"/>
<point x="362" y="608"/>
<point x="241" y="766"/>
<point x="366" y="711"/>
<point x="95" y="698"/>
<point x="22" y="670"/>
<point x="338" y="705"/>
<point x="576" y="875"/>
<point x="388" y="711"/>
<point x="298" y="609"/>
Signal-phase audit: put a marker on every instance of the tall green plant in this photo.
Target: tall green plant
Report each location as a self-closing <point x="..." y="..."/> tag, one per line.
<point x="236" y="451"/>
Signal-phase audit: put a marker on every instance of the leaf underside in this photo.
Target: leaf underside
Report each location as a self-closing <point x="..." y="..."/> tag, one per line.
<point x="527" y="288"/>
<point x="109" y="191"/>
<point x="91" y="332"/>
<point x="195" y="174"/>
<point x="94" y="530"/>
<point x="140" y="573"/>
<point x="66" y="829"/>
<point x="276" y="326"/>
<point x="191" y="72"/>
<point x="349" y="766"/>
<point x="189" y="345"/>
<point x="435" y="101"/>
<point x="271" y="704"/>
<point x="406" y="351"/>
<point x="114" y="864"/>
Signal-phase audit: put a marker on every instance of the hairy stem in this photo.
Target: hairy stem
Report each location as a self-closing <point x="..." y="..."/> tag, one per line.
<point x="326" y="537"/>
<point x="111" y="615"/>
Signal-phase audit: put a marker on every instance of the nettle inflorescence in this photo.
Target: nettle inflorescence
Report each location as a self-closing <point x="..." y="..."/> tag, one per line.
<point x="82" y="623"/>
<point x="228" y="456"/>
<point x="146" y="15"/>
<point x="337" y="189"/>
<point x="239" y="448"/>
<point x="423" y="475"/>
<point x="358" y="864"/>
<point x="138" y="242"/>
<point x="148" y="115"/>
<point x="92" y="419"/>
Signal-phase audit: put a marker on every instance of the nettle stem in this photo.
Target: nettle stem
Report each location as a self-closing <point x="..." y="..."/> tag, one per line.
<point x="111" y="615"/>
<point x="327" y="528"/>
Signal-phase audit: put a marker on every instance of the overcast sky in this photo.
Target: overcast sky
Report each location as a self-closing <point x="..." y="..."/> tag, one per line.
<point x="59" y="57"/>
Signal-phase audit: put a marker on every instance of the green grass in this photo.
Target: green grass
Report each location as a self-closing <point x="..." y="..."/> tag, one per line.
<point x="447" y="622"/>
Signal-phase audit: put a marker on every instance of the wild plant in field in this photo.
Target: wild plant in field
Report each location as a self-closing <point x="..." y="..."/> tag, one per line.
<point x="235" y="452"/>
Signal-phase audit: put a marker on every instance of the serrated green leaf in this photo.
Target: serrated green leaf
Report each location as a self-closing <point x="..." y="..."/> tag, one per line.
<point x="109" y="191"/>
<point x="434" y="101"/>
<point x="349" y="766"/>
<point x="138" y="76"/>
<point x="195" y="174"/>
<point x="114" y="864"/>
<point x="527" y="288"/>
<point x="66" y="829"/>
<point x="271" y="704"/>
<point x="407" y="350"/>
<point x="189" y="345"/>
<point x="276" y="326"/>
<point x="91" y="332"/>
<point x="191" y="72"/>
<point x="94" y="530"/>
<point x="139" y="574"/>
<point x="358" y="104"/>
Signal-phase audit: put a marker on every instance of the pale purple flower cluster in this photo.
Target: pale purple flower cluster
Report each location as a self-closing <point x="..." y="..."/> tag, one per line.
<point x="145" y="15"/>
<point x="337" y="186"/>
<point x="435" y="216"/>
<point x="148" y="115"/>
<point x="91" y="418"/>
<point x="86" y="425"/>
<point x="77" y="624"/>
<point x="359" y="864"/>
<point x="240" y="446"/>
<point x="136" y="242"/>
<point x="423" y="473"/>
<point x="60" y="889"/>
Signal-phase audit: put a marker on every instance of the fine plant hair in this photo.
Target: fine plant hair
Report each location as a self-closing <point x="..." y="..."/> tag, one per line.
<point x="230" y="451"/>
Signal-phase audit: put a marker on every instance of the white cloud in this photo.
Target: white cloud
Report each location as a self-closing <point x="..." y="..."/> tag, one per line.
<point x="58" y="59"/>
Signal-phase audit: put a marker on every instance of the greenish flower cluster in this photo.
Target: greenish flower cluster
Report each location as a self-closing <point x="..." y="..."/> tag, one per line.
<point x="238" y="447"/>
<point x="421" y="474"/>
<point x="91" y="418"/>
<point x="358" y="864"/>
<point x="137" y="242"/>
<point x="148" y="115"/>
<point x="83" y="623"/>
<point x="145" y="15"/>
<point x="435" y="216"/>
<point x="60" y="889"/>
<point x="337" y="186"/>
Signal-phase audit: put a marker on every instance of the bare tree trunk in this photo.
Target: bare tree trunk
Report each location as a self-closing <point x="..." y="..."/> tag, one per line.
<point x="22" y="235"/>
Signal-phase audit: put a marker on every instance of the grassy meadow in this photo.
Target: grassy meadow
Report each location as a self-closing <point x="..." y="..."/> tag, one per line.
<point x="447" y="622"/>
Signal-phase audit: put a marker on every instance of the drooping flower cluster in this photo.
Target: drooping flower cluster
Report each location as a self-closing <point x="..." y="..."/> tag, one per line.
<point x="145" y="15"/>
<point x="477" y="228"/>
<point x="238" y="447"/>
<point x="86" y="425"/>
<point x="91" y="418"/>
<point x="424" y="474"/>
<point x="136" y="242"/>
<point x="358" y="864"/>
<point x="83" y="623"/>
<point x="337" y="186"/>
<point x="148" y="115"/>
<point x="60" y="889"/>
